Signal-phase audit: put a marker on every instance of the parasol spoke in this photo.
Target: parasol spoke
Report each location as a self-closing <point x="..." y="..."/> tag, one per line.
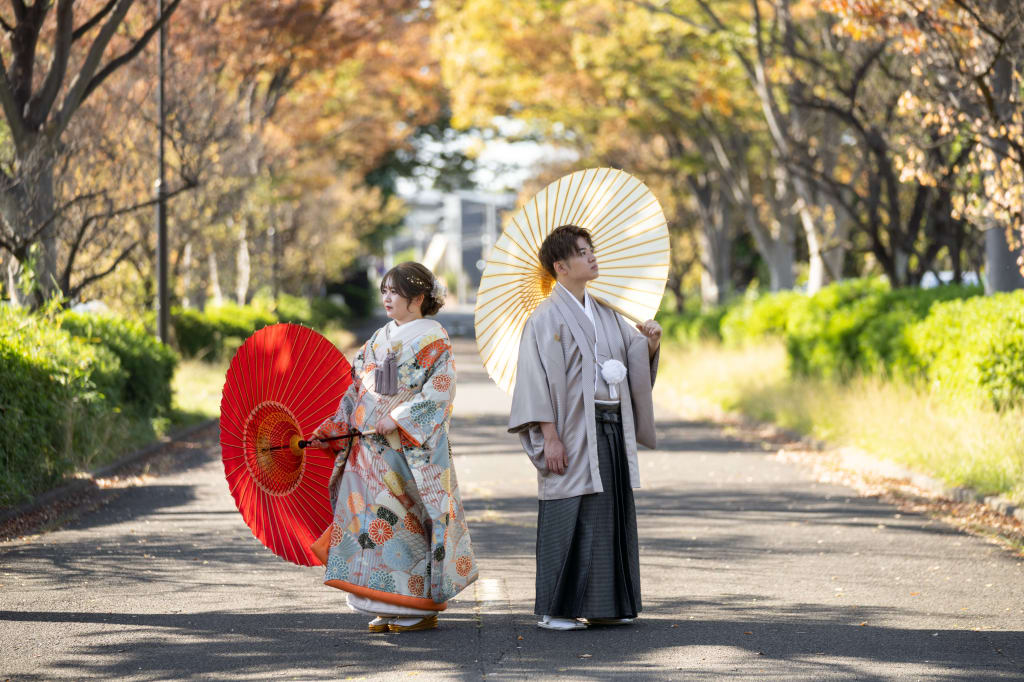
<point x="583" y="202"/>
<point x="607" y="221"/>
<point x="615" y="247"/>
<point x="604" y="198"/>
<point x="634" y="218"/>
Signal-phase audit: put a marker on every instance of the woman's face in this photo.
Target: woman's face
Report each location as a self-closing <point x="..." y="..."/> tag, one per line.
<point x="398" y="307"/>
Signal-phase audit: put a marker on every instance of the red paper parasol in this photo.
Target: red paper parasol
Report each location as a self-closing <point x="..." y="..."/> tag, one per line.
<point x="282" y="384"/>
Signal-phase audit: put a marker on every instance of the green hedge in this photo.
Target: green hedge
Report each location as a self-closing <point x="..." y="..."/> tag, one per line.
<point x="967" y="346"/>
<point x="215" y="334"/>
<point x="148" y="364"/>
<point x="972" y="349"/>
<point x="315" y="312"/>
<point x="693" y="326"/>
<point x="857" y="326"/>
<point x="755" y="319"/>
<point x="218" y="331"/>
<point x="63" y="393"/>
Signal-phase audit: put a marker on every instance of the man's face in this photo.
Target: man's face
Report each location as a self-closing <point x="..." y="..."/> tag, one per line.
<point x="581" y="267"/>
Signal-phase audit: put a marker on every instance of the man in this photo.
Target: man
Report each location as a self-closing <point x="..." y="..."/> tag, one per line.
<point x="582" y="402"/>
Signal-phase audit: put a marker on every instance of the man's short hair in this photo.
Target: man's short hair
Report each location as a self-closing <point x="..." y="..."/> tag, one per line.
<point x="561" y="245"/>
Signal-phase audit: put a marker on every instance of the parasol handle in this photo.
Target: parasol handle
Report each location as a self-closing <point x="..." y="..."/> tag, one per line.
<point x="617" y="309"/>
<point x="351" y="434"/>
<point x="295" y="445"/>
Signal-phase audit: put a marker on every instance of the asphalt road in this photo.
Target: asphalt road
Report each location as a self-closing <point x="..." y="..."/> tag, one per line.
<point x="750" y="569"/>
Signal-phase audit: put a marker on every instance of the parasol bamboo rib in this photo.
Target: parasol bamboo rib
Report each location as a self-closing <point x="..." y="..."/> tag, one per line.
<point x="578" y="215"/>
<point x="586" y="218"/>
<point x="609" y="225"/>
<point x="608" y="220"/>
<point x="587" y="192"/>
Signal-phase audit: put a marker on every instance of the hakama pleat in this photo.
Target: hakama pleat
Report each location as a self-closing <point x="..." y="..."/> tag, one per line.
<point x="587" y="554"/>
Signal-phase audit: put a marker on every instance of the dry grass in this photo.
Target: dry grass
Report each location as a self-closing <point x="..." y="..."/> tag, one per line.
<point x="959" y="444"/>
<point x="197" y="387"/>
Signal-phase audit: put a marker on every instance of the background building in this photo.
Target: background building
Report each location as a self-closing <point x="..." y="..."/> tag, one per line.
<point x="452" y="234"/>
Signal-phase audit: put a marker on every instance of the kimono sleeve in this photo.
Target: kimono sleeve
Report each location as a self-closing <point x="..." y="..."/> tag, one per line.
<point x="531" y="397"/>
<point x="636" y="346"/>
<point x="338" y="425"/>
<point x="420" y="417"/>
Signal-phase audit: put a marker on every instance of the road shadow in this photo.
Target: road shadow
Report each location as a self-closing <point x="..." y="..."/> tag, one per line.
<point x="815" y="642"/>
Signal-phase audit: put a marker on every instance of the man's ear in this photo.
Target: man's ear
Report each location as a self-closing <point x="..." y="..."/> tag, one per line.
<point x="560" y="268"/>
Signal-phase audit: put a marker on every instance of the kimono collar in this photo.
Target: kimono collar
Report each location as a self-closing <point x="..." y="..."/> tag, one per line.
<point x="402" y="334"/>
<point x="575" y="312"/>
<point x="588" y="301"/>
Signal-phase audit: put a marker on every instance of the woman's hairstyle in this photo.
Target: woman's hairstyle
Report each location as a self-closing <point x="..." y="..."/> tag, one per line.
<point x="410" y="280"/>
<point x="561" y="245"/>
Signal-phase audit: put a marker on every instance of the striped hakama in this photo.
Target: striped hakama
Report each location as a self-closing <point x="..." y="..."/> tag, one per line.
<point x="587" y="556"/>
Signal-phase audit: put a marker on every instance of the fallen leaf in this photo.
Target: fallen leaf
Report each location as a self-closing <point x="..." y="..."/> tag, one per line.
<point x="585" y="655"/>
<point x="863" y="623"/>
<point x="673" y="624"/>
<point x="914" y="594"/>
<point x="748" y="633"/>
<point x="520" y="638"/>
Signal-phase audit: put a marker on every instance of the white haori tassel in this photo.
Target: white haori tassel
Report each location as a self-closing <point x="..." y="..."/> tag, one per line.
<point x="613" y="372"/>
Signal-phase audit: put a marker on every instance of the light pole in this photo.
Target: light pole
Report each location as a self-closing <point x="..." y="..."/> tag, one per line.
<point x="161" y="199"/>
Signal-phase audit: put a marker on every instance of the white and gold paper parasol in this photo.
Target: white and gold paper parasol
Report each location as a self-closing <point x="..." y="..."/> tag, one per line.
<point x="630" y="237"/>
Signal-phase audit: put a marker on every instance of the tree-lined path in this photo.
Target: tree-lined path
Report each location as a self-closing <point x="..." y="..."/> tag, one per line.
<point x="750" y="569"/>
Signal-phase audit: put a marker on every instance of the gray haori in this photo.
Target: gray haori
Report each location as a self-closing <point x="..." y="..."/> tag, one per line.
<point x="557" y="381"/>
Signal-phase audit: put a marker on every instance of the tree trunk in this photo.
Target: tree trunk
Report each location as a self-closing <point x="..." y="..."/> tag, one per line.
<point x="242" y="269"/>
<point x="215" y="291"/>
<point x="1002" y="267"/>
<point x="775" y="243"/>
<point x="714" y="239"/>
<point x="28" y="209"/>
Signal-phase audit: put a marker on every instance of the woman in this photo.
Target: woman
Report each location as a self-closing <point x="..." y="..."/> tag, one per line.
<point x="399" y="544"/>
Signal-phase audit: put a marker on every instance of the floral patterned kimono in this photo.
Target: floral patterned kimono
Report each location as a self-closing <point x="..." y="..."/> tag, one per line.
<point x="399" y="534"/>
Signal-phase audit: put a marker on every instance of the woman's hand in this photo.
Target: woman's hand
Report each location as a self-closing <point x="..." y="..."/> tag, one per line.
<point x="651" y="330"/>
<point x="386" y="425"/>
<point x="319" y="438"/>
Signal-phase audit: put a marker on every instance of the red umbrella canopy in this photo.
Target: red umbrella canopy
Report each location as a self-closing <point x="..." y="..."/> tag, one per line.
<point x="283" y="382"/>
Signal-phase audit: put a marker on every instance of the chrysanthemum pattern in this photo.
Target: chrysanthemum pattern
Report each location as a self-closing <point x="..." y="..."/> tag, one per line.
<point x="412" y="524"/>
<point x="380" y="531"/>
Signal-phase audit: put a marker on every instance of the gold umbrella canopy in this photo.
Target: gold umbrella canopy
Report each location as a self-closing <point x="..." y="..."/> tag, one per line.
<point x="630" y="237"/>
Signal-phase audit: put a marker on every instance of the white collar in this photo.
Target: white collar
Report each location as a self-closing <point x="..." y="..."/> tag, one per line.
<point x="409" y="330"/>
<point x="588" y="303"/>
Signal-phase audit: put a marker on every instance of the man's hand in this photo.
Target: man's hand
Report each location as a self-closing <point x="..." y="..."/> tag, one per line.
<point x="386" y="425"/>
<point x="555" y="456"/>
<point x="651" y="330"/>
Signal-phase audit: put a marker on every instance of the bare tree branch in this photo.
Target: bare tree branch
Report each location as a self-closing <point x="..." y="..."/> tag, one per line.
<point x="86" y="281"/>
<point x="76" y="94"/>
<point x="20" y="10"/>
<point x="40" y="104"/>
<point x="135" y="49"/>
<point x="10" y="107"/>
<point x="982" y="24"/>
<point x="93" y="21"/>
